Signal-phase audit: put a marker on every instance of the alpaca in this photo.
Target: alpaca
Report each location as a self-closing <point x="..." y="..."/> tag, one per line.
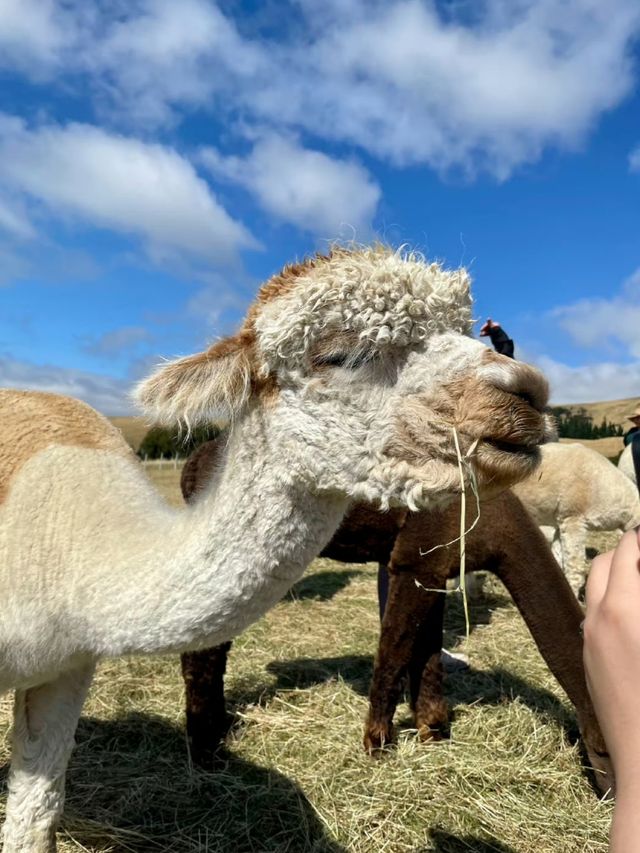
<point x="575" y="490"/>
<point x="345" y="382"/>
<point x="626" y="466"/>
<point x="411" y="635"/>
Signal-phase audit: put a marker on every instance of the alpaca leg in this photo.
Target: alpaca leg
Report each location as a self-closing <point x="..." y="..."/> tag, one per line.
<point x="429" y="706"/>
<point x="207" y="725"/>
<point x="406" y="609"/>
<point x="556" y="550"/>
<point x="553" y="540"/>
<point x="45" y="720"/>
<point x="553" y="615"/>
<point x="573" y="537"/>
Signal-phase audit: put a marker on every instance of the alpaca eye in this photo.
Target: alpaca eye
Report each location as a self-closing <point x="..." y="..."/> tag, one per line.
<point x="336" y="359"/>
<point x="341" y="359"/>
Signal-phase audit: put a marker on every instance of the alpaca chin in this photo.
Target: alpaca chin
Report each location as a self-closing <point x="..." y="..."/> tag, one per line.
<point x="498" y="467"/>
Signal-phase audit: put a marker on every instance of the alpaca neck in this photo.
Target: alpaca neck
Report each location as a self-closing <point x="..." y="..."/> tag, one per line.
<point x="220" y="564"/>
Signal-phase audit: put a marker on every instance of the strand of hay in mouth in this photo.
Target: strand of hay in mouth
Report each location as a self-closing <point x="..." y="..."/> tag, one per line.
<point x="463" y="464"/>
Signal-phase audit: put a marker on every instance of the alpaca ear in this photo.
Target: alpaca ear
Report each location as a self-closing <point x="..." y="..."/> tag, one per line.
<point x="211" y="386"/>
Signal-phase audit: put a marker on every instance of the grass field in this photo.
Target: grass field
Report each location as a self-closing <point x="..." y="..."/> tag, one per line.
<point x="295" y="779"/>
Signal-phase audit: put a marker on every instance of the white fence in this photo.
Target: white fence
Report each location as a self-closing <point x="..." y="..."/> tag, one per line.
<point x="174" y="463"/>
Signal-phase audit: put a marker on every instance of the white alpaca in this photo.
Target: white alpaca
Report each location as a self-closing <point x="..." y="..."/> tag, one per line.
<point x="575" y="490"/>
<point x="344" y="383"/>
<point x="625" y="464"/>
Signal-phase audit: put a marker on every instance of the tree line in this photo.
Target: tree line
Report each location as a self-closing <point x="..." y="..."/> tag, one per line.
<point x="577" y="423"/>
<point x="164" y="443"/>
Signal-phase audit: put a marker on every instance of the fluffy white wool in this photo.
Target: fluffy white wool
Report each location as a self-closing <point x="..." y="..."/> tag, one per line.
<point x="387" y="298"/>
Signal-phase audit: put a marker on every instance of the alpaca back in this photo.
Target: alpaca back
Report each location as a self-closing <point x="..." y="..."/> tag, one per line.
<point x="33" y="421"/>
<point x="625" y="464"/>
<point x="573" y="480"/>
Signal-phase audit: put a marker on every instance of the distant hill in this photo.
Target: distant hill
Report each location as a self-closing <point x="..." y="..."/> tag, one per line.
<point x="134" y="429"/>
<point x="615" y="411"/>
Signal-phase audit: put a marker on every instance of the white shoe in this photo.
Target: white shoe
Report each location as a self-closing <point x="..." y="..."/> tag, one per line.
<point x="453" y="661"/>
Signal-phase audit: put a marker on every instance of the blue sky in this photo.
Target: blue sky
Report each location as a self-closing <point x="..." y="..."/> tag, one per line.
<point x="158" y="160"/>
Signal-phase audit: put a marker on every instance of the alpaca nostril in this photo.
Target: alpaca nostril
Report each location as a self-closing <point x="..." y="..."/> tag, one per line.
<point x="519" y="379"/>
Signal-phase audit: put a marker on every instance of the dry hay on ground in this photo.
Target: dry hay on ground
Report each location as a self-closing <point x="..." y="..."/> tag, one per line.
<point x="165" y="476"/>
<point x="295" y="778"/>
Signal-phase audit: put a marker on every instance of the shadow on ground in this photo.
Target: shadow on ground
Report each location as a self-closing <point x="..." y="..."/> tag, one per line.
<point x="468" y="687"/>
<point x="130" y="787"/>
<point x="322" y="586"/>
<point x="481" y="609"/>
<point x="445" y="843"/>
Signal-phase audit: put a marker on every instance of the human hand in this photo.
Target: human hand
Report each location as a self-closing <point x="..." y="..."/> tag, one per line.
<point x="612" y="665"/>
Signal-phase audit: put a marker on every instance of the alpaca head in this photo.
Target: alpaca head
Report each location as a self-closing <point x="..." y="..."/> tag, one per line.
<point x="360" y="366"/>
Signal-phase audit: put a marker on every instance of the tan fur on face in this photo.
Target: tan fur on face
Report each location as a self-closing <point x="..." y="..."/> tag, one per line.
<point x="33" y="421"/>
<point x="477" y="410"/>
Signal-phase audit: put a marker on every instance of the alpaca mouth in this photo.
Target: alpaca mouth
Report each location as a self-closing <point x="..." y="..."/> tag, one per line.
<point x="520" y="437"/>
<point x="513" y="448"/>
<point x="501" y="462"/>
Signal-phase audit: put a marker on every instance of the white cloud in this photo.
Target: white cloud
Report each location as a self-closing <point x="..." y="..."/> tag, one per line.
<point x="117" y="342"/>
<point x="15" y="221"/>
<point x="410" y="87"/>
<point x="634" y="159"/>
<point x="484" y="85"/>
<point x="105" y="393"/>
<point x="602" y="323"/>
<point x="121" y="183"/>
<point x="305" y="188"/>
<point x="169" y="54"/>
<point x="590" y="383"/>
<point x="33" y="33"/>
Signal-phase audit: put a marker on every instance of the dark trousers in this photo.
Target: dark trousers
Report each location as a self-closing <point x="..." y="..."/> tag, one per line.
<point x="635" y="455"/>
<point x="383" y="588"/>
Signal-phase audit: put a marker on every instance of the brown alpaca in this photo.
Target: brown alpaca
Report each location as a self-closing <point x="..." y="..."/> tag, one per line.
<point x="411" y="634"/>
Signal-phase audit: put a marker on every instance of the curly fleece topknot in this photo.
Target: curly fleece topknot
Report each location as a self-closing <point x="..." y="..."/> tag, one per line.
<point x="387" y="297"/>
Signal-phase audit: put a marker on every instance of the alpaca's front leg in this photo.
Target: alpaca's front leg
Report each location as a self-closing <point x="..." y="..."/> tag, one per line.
<point x="428" y="704"/>
<point x="404" y="613"/>
<point x="45" y="720"/>
<point x="573" y="540"/>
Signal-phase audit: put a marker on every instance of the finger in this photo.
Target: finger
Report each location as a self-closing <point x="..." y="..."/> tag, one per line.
<point x="598" y="580"/>
<point x="624" y="576"/>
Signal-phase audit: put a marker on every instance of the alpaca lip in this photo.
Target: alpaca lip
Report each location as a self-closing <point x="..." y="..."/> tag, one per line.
<point x="511" y="447"/>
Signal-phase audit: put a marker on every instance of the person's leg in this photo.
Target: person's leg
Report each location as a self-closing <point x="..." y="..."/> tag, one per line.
<point x="635" y="455"/>
<point x="383" y="588"/>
